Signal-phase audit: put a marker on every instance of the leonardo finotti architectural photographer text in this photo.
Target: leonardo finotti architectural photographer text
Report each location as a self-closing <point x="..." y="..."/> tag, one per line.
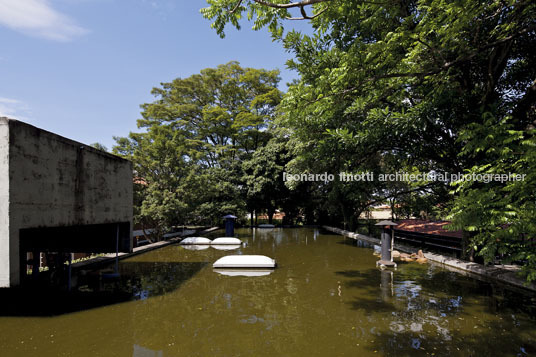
<point x="368" y="176"/>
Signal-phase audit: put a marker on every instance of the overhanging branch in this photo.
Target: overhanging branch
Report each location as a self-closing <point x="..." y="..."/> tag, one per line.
<point x="236" y="7"/>
<point x="305" y="16"/>
<point x="290" y="5"/>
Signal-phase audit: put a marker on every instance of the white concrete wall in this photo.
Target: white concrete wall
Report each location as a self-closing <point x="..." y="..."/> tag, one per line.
<point x="54" y="182"/>
<point x="4" y="205"/>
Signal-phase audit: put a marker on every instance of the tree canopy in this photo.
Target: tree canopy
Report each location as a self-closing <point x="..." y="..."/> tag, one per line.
<point x="195" y="136"/>
<point x="420" y="86"/>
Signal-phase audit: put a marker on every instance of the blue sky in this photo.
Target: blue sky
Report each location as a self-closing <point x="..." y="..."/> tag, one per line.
<point x="81" y="68"/>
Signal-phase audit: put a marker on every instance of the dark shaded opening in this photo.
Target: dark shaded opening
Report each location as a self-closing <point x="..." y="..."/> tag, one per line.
<point x="136" y="281"/>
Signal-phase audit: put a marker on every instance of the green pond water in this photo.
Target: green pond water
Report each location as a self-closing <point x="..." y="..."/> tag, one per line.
<point x="325" y="298"/>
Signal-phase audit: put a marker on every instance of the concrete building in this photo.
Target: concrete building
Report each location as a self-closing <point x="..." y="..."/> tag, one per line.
<point x="58" y="195"/>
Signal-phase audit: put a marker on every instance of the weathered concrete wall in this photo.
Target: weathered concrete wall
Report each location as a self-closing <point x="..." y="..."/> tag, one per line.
<point x="5" y="247"/>
<point x="52" y="181"/>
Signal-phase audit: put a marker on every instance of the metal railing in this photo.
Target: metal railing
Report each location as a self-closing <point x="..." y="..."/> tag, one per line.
<point x="422" y="240"/>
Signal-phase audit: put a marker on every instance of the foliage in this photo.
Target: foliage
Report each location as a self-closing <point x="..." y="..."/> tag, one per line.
<point x="195" y="135"/>
<point x="99" y="146"/>
<point x="263" y="174"/>
<point x="408" y="85"/>
<point x="500" y="215"/>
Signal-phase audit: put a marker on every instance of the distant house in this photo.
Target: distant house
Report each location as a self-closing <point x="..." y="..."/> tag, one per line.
<point x="377" y="212"/>
<point x="438" y="228"/>
<point x="140" y="181"/>
<point x="277" y="215"/>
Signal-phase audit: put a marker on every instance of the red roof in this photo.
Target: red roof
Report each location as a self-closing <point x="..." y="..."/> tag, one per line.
<point x="140" y="181"/>
<point x="427" y="227"/>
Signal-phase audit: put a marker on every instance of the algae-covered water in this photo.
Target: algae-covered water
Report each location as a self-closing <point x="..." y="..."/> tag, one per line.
<point x="325" y="298"/>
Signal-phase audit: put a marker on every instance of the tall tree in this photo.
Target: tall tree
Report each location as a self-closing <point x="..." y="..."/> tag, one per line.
<point x="420" y="80"/>
<point x="263" y="174"/>
<point x="193" y="140"/>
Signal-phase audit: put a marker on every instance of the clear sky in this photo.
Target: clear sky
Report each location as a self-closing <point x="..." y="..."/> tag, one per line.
<point x="81" y="68"/>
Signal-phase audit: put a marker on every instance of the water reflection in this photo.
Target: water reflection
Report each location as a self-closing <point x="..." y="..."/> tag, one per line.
<point x="386" y="285"/>
<point x="136" y="281"/>
<point x="326" y="298"/>
<point x="195" y="247"/>
<point x="243" y="272"/>
<point x="140" y="351"/>
<point x="226" y="247"/>
<point x="274" y="235"/>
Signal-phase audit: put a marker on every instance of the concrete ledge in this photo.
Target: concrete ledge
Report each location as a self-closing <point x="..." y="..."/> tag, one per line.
<point x="108" y="258"/>
<point x="507" y="274"/>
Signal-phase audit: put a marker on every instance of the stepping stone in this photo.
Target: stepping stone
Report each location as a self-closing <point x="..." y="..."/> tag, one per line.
<point x="195" y="240"/>
<point x="245" y="261"/>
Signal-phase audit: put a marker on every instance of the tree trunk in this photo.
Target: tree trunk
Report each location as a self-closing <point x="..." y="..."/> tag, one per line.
<point x="271" y="212"/>
<point x="349" y="218"/>
<point x="309" y="216"/>
<point x="468" y="253"/>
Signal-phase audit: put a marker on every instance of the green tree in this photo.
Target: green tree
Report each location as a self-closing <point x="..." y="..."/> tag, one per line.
<point x="500" y="216"/>
<point x="163" y="173"/>
<point x="263" y="174"/>
<point x="187" y="158"/>
<point x="99" y="146"/>
<point x="421" y="81"/>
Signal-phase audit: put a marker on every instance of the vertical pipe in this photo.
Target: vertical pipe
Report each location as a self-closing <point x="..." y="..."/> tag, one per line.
<point x="69" y="272"/>
<point x="386" y="284"/>
<point x="229" y="227"/>
<point x="117" y="250"/>
<point x="385" y="246"/>
<point x="392" y="242"/>
<point x="35" y="264"/>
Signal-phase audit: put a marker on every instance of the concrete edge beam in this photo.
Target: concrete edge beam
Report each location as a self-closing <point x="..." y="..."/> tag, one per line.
<point x="479" y="271"/>
<point x="108" y="258"/>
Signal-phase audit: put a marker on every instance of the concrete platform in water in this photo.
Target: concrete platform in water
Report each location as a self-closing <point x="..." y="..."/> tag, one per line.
<point x="245" y="261"/>
<point x="195" y="241"/>
<point x="226" y="241"/>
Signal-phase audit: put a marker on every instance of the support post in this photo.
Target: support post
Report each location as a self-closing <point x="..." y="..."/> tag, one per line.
<point x="117" y="250"/>
<point x="387" y="241"/>
<point x="35" y="264"/>
<point x="386" y="245"/>
<point x="229" y="225"/>
<point x="69" y="272"/>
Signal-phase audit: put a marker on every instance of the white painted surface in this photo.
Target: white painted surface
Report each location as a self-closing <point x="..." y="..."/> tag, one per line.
<point x="5" y="256"/>
<point x="243" y="272"/>
<point x="195" y="240"/>
<point x="226" y="240"/>
<point x="195" y="247"/>
<point x="225" y="246"/>
<point x="245" y="261"/>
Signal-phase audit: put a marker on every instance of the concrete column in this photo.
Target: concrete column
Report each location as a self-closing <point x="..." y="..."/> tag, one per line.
<point x="35" y="264"/>
<point x="386" y="246"/>
<point x="5" y="252"/>
<point x="386" y="284"/>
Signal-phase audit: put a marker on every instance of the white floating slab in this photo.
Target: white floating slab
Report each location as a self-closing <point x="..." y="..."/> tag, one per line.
<point x="244" y="261"/>
<point x="225" y="246"/>
<point x="195" y="240"/>
<point x="243" y="272"/>
<point x="266" y="225"/>
<point x="226" y="240"/>
<point x="195" y="246"/>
